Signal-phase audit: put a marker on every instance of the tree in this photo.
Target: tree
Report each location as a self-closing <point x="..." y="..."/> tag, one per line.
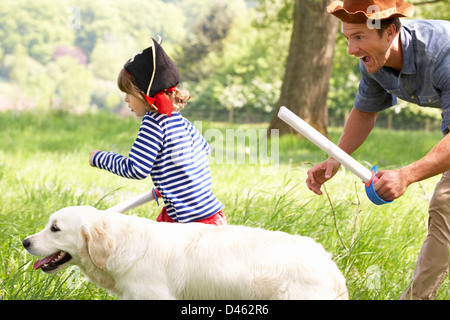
<point x="308" y="67"/>
<point x="204" y="41"/>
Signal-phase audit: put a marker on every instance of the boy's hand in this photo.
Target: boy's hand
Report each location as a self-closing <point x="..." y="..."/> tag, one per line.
<point x="91" y="156"/>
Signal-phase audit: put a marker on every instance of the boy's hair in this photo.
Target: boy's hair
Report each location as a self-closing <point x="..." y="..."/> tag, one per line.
<point x="384" y="24"/>
<point x="127" y="84"/>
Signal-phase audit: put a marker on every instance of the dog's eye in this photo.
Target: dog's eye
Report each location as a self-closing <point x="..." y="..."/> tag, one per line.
<point x="54" y="228"/>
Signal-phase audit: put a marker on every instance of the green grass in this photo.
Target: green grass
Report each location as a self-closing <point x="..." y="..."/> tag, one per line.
<point x="44" y="167"/>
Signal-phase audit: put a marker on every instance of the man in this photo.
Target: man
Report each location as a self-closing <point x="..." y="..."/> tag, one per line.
<point x="411" y="61"/>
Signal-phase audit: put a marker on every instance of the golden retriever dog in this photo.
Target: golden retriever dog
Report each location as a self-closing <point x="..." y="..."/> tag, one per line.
<point x="138" y="258"/>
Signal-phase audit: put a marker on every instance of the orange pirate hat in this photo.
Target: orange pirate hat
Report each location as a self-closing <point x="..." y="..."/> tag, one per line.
<point x="359" y="11"/>
<point x="155" y="74"/>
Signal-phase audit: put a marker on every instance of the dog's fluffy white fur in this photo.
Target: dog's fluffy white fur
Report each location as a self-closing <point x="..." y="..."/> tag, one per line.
<point x="137" y="258"/>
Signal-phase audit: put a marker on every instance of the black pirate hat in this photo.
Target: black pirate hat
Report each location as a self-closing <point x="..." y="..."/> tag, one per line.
<point x="155" y="73"/>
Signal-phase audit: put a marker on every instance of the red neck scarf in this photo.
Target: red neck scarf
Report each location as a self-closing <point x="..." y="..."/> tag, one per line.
<point x="161" y="102"/>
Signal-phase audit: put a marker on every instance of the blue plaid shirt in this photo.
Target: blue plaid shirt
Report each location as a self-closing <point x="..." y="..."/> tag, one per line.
<point x="425" y="76"/>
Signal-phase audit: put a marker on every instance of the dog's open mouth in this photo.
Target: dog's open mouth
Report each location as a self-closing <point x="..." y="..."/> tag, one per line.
<point x="52" y="262"/>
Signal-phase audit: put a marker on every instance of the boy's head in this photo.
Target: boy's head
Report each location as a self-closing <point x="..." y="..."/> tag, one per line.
<point x="136" y="98"/>
<point x="148" y="76"/>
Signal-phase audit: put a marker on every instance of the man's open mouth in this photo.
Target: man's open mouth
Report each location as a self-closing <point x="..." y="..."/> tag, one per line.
<point x="365" y="59"/>
<point x="52" y="262"/>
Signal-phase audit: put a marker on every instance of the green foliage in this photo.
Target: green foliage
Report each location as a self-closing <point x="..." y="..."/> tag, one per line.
<point x="344" y="80"/>
<point x="438" y="10"/>
<point x="247" y="75"/>
<point x="225" y="59"/>
<point x="210" y="30"/>
<point x="231" y="54"/>
<point x="275" y="12"/>
<point x="108" y="32"/>
<point x="37" y="26"/>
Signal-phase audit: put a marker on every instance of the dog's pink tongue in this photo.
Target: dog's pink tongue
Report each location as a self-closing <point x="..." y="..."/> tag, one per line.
<point x="39" y="263"/>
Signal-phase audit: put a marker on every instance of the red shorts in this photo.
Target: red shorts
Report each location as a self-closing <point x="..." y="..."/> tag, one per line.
<point x="217" y="219"/>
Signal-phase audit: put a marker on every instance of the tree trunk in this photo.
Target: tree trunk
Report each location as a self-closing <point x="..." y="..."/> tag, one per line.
<point x="308" y="68"/>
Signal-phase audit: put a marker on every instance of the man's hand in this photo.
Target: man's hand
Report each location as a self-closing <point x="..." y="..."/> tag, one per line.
<point x="321" y="173"/>
<point x="391" y="184"/>
<point x="91" y="156"/>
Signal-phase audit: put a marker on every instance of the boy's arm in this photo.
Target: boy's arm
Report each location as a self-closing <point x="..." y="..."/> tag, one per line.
<point x="139" y="163"/>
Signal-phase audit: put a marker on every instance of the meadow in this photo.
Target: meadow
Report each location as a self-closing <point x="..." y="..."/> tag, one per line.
<point x="44" y="167"/>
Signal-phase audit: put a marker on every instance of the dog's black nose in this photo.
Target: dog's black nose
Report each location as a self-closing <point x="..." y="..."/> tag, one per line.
<point x="26" y="243"/>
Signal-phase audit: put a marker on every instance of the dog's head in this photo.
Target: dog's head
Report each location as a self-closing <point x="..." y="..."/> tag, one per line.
<point x="73" y="235"/>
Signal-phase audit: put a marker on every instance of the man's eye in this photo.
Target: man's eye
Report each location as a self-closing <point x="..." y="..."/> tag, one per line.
<point x="54" y="228"/>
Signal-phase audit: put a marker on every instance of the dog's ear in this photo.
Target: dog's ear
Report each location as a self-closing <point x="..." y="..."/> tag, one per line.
<point x="99" y="242"/>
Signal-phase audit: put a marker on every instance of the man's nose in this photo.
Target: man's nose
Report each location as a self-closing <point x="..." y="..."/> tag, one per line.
<point x="352" y="49"/>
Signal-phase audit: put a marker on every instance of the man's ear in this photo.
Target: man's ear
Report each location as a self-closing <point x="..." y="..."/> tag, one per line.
<point x="391" y="31"/>
<point x="99" y="242"/>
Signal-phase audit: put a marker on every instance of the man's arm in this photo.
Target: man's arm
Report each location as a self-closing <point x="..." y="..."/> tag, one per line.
<point x="393" y="183"/>
<point x="356" y="130"/>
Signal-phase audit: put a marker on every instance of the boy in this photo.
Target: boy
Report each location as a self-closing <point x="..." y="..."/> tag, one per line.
<point x="168" y="147"/>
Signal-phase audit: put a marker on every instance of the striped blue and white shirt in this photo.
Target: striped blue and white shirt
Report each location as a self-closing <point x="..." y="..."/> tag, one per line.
<point x="175" y="154"/>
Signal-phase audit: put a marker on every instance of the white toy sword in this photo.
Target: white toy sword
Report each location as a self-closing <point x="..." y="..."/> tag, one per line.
<point x="135" y="202"/>
<point x="366" y="175"/>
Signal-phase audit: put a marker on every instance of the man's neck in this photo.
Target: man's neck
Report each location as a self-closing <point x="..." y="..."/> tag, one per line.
<point x="395" y="60"/>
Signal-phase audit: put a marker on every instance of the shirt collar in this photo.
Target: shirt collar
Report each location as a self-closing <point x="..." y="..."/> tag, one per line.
<point x="406" y="40"/>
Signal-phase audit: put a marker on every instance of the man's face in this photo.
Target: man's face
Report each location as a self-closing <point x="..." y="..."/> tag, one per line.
<point x="367" y="45"/>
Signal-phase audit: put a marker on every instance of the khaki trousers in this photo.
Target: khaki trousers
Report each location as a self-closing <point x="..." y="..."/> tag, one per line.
<point x="433" y="261"/>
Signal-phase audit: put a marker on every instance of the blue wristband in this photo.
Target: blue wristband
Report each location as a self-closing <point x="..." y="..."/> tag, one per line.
<point x="370" y="190"/>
